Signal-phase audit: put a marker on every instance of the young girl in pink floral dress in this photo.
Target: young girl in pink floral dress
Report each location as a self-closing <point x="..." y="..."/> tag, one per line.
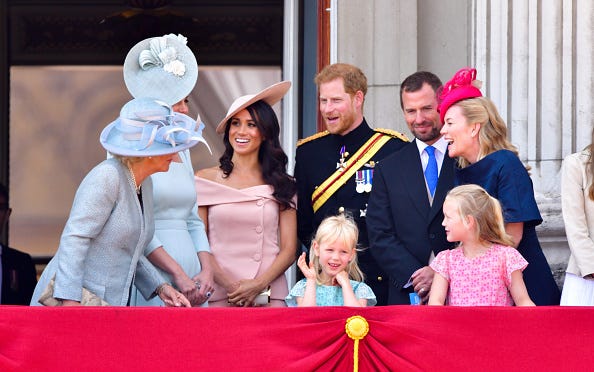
<point x="484" y="270"/>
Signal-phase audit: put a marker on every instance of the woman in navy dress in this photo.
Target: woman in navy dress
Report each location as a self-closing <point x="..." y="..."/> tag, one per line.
<point x="477" y="136"/>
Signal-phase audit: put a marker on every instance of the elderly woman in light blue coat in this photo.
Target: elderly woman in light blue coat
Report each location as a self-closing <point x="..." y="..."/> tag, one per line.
<point x="111" y="221"/>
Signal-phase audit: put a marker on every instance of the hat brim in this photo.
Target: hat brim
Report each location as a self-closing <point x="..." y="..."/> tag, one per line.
<point x="156" y="82"/>
<point x="112" y="141"/>
<point x="270" y="95"/>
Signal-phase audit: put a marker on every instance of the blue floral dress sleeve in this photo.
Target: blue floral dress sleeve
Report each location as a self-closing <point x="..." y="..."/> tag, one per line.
<point x="330" y="295"/>
<point x="327" y="295"/>
<point x="297" y="291"/>
<point x="362" y="290"/>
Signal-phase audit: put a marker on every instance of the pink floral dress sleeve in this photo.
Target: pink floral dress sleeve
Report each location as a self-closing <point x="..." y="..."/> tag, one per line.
<point x="513" y="261"/>
<point x="441" y="264"/>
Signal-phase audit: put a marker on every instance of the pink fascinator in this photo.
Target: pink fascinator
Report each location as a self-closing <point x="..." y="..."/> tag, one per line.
<point x="462" y="86"/>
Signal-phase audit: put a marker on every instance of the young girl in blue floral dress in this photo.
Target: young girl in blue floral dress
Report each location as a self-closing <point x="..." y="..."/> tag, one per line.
<point x="333" y="277"/>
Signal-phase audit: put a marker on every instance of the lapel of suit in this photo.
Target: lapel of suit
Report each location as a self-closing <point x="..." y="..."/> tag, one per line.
<point x="444" y="184"/>
<point x="413" y="178"/>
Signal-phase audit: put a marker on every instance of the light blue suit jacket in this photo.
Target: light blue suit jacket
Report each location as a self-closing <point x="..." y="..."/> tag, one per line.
<point x="102" y="245"/>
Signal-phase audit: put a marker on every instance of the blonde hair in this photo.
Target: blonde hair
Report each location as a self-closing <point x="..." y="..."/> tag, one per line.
<point x="493" y="131"/>
<point x="475" y="201"/>
<point x="129" y="160"/>
<point x="337" y="228"/>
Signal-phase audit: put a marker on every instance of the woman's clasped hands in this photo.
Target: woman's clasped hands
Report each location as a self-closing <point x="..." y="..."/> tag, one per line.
<point x="197" y="289"/>
<point x="243" y="293"/>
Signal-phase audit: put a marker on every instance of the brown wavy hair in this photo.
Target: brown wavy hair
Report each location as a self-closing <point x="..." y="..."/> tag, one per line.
<point x="271" y="156"/>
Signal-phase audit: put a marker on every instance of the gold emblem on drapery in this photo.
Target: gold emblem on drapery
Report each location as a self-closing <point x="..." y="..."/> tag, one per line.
<point x="356" y="328"/>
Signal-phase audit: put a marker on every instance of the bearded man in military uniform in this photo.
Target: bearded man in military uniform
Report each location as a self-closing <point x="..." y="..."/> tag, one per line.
<point x="334" y="168"/>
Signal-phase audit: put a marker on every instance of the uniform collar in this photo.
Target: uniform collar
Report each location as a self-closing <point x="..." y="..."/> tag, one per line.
<point x="356" y="137"/>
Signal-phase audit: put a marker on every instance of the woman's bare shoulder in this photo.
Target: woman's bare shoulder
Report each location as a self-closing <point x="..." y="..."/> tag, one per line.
<point x="210" y="174"/>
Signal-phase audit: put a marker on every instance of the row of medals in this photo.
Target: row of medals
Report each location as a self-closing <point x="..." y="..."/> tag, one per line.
<point x="363" y="177"/>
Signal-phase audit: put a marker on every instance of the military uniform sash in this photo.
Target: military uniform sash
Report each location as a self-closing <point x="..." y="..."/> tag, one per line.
<point x="323" y="192"/>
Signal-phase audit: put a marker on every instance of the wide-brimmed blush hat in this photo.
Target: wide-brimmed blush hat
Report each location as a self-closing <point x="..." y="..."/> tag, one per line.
<point x="149" y="127"/>
<point x="460" y="87"/>
<point x="270" y="95"/>
<point x="161" y="67"/>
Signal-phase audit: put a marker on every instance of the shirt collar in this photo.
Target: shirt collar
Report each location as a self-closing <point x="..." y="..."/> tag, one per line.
<point x="440" y="145"/>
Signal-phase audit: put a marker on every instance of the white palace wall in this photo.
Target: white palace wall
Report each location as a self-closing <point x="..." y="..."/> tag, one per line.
<point x="535" y="58"/>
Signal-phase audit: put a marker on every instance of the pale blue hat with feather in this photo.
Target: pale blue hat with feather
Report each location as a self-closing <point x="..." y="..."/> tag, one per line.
<point x="150" y="127"/>
<point x="161" y="67"/>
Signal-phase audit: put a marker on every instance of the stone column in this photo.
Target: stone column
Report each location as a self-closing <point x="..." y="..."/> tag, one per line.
<point x="391" y="39"/>
<point x="380" y="37"/>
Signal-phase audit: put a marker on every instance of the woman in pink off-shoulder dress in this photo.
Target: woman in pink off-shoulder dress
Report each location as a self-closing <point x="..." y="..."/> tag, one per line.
<point x="248" y="205"/>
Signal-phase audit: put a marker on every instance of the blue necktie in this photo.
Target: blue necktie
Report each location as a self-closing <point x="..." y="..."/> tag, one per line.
<point x="431" y="170"/>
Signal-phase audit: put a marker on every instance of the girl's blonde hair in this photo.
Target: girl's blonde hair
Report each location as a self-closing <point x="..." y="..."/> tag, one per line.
<point x="493" y="132"/>
<point x="475" y="201"/>
<point x="337" y="228"/>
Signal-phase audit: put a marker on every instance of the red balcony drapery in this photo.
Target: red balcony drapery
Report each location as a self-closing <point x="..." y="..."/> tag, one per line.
<point x="404" y="338"/>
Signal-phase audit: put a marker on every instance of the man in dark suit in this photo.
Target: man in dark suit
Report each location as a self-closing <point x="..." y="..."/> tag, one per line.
<point x="18" y="276"/>
<point x="334" y="168"/>
<point x="404" y="213"/>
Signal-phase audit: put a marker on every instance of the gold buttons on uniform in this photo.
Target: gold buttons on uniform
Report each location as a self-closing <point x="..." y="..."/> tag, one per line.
<point x="379" y="278"/>
<point x="341" y="210"/>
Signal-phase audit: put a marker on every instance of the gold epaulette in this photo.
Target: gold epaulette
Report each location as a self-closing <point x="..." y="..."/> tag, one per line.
<point x="312" y="137"/>
<point x="393" y="133"/>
